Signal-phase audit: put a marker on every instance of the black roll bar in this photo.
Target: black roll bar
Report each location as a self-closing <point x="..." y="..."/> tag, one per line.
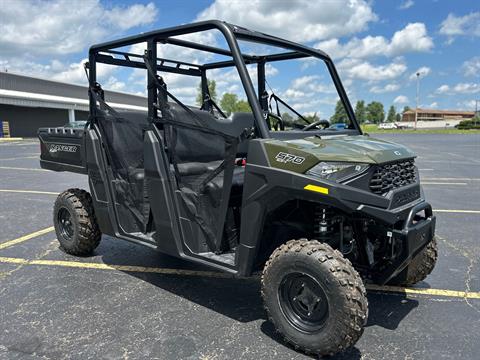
<point x="104" y="53"/>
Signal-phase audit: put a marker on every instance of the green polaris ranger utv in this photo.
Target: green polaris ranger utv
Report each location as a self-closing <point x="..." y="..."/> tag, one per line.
<point x="269" y="186"/>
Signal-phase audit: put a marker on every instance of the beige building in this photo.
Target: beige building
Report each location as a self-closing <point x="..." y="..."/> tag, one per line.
<point x="433" y="115"/>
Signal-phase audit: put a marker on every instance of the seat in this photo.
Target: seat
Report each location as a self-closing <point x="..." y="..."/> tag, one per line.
<point x="214" y="188"/>
<point x="197" y="146"/>
<point x="199" y="153"/>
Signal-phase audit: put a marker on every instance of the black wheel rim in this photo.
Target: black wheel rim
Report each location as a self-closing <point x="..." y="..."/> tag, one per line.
<point x="303" y="302"/>
<point x="65" y="223"/>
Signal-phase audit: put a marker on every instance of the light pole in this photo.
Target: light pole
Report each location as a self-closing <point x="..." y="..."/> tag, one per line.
<point x="476" y="113"/>
<point x="416" y="107"/>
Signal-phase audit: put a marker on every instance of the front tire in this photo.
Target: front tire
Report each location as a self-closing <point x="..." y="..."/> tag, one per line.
<point x="314" y="297"/>
<point x="75" y="223"/>
<point x="420" y="267"/>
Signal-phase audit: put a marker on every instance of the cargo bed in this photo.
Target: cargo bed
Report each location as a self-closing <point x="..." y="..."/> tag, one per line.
<point x="62" y="149"/>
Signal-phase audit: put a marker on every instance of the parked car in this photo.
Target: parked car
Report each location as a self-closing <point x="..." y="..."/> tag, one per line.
<point x="338" y="126"/>
<point x="387" y="126"/>
<point x="76" y="124"/>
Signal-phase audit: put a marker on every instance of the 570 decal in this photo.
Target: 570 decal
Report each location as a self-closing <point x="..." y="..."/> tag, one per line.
<point x="289" y="158"/>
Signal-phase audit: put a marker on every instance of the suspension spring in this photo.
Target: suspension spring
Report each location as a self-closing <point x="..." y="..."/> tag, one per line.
<point x="324" y="223"/>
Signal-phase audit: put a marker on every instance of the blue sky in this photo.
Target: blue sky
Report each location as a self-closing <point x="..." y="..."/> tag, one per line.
<point x="377" y="46"/>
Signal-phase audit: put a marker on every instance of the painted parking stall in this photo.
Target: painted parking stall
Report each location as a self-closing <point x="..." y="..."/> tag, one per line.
<point x="41" y="283"/>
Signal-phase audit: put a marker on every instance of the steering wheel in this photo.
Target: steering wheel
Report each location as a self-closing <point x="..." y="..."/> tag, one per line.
<point x="315" y="124"/>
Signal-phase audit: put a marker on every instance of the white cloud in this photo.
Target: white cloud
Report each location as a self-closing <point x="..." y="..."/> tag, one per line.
<point x="443" y="89"/>
<point x="357" y="69"/>
<point x="401" y="99"/>
<point x="433" y="105"/>
<point x="468" y="25"/>
<point x="468" y="105"/>
<point x="471" y="67"/>
<point x="229" y="80"/>
<point x="294" y="94"/>
<point x="61" y="27"/>
<point x="406" y="4"/>
<point x="312" y="84"/>
<point x="412" y="38"/>
<point x="183" y="87"/>
<point x="298" y="20"/>
<point x="384" y="89"/>
<point x="466" y="88"/>
<point x="355" y="48"/>
<point x="58" y="71"/>
<point x="114" y="84"/>
<point x="303" y="81"/>
<point x="128" y="17"/>
<point x="423" y="71"/>
<point x="460" y="88"/>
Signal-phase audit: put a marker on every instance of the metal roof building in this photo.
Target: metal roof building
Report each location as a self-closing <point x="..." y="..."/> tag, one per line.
<point x="27" y="103"/>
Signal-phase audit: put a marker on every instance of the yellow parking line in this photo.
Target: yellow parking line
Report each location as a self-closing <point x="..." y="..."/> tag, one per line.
<point x="3" y="139"/>
<point x="127" y="268"/>
<point x="212" y="274"/>
<point x="417" y="291"/>
<point x="29" y="192"/>
<point x="17" y="168"/>
<point x="9" y="243"/>
<point x="457" y="211"/>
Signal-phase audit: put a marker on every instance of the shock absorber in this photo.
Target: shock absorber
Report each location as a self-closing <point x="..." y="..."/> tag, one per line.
<point x="323" y="228"/>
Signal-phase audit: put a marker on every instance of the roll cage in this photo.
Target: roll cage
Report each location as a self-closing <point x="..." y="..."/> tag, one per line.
<point x="106" y="53"/>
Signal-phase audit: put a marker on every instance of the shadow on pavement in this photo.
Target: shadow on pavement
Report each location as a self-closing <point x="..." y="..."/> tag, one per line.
<point x="240" y="300"/>
<point x="388" y="310"/>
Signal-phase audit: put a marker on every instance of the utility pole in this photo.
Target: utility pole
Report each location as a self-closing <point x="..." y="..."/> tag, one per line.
<point x="477" y="114"/>
<point x="416" y="107"/>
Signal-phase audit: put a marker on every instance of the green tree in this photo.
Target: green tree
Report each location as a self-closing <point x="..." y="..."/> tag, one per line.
<point x="287" y="118"/>
<point x="375" y="112"/>
<point x="212" y="88"/>
<point x="340" y="115"/>
<point x="398" y="117"/>
<point x="242" y="106"/>
<point x="391" y="114"/>
<point x="406" y="108"/>
<point x="360" y="112"/>
<point x="311" y="118"/>
<point x="228" y="103"/>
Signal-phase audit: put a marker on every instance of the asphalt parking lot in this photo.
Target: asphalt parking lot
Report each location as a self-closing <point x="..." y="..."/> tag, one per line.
<point x="129" y="302"/>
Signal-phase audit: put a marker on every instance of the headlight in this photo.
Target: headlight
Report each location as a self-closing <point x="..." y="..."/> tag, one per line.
<point x="337" y="171"/>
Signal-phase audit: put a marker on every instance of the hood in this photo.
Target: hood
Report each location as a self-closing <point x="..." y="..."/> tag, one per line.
<point x="360" y="148"/>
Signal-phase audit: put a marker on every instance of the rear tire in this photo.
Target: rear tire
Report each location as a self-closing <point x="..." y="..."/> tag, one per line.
<point x="314" y="297"/>
<point x="75" y="223"/>
<point x="420" y="267"/>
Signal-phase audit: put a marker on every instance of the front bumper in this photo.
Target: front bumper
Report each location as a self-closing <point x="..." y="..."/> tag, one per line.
<point x="415" y="235"/>
<point x="266" y="189"/>
<point x="406" y="218"/>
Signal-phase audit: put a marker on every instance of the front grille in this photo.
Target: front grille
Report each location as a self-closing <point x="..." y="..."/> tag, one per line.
<point x="392" y="176"/>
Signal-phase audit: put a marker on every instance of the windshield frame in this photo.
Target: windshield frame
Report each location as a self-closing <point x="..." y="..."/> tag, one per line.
<point x="298" y="51"/>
